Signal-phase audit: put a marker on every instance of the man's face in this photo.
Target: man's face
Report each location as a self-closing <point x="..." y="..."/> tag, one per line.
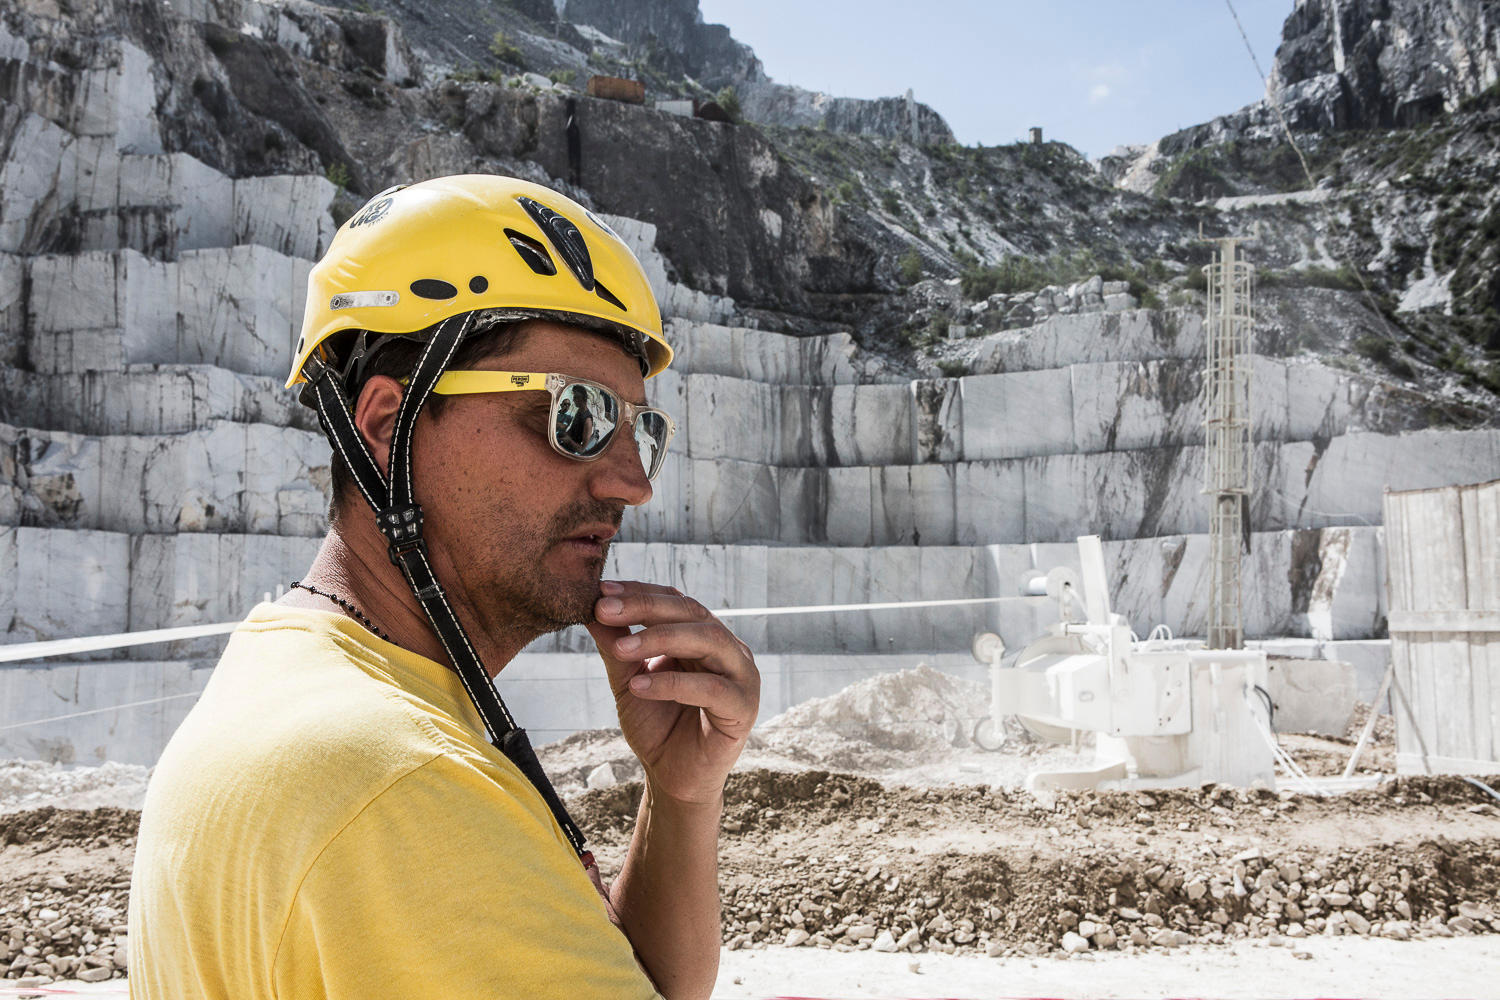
<point x="519" y="531"/>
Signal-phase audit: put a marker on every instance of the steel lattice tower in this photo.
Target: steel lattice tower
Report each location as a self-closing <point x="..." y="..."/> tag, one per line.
<point x="1227" y="419"/>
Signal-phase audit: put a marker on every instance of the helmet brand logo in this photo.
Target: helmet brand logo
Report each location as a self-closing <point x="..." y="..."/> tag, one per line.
<point x="373" y="212"/>
<point x="519" y="380"/>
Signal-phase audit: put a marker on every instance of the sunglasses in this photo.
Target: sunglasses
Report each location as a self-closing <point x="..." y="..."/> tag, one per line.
<point x="584" y="417"/>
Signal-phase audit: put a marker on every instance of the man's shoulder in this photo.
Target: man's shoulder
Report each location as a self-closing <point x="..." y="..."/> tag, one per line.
<point x="301" y="730"/>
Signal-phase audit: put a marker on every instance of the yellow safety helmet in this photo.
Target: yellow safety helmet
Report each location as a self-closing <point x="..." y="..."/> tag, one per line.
<point x="416" y="255"/>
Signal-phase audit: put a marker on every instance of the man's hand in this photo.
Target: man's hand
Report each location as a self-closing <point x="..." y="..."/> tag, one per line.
<point x="686" y="688"/>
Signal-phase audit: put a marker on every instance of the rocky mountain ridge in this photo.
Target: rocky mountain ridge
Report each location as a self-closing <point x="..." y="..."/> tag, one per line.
<point x="816" y="229"/>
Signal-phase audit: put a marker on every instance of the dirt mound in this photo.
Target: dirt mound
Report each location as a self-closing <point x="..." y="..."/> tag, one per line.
<point x="48" y="828"/>
<point x="917" y="709"/>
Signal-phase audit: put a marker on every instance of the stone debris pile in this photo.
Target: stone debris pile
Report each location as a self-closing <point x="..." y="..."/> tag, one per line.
<point x="916" y="709"/>
<point x="841" y="862"/>
<point x="29" y="784"/>
<point x="1003" y="311"/>
<point x="56" y="925"/>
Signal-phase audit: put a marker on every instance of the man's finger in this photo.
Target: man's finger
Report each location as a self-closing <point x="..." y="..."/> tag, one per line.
<point x="637" y="605"/>
<point x="708" y="643"/>
<point x="729" y="706"/>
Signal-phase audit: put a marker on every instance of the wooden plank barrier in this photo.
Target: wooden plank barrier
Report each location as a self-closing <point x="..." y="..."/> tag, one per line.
<point x="1443" y="565"/>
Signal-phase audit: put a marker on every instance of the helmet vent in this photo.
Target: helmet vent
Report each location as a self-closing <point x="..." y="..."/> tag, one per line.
<point x="433" y="288"/>
<point x="533" y="253"/>
<point x="479" y="284"/>
<point x="565" y="239"/>
<point x="609" y="296"/>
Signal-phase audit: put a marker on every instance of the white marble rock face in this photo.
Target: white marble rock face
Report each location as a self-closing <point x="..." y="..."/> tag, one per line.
<point x="225" y="477"/>
<point x="126" y="735"/>
<point x="63" y="583"/>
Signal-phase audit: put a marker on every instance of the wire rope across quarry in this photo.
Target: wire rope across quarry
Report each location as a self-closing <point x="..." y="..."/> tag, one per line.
<point x="62" y="647"/>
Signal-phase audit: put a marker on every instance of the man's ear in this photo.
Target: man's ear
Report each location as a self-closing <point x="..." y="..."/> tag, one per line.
<point x="375" y="417"/>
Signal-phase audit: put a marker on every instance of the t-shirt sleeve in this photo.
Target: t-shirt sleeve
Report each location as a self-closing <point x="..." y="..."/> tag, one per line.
<point x="453" y="881"/>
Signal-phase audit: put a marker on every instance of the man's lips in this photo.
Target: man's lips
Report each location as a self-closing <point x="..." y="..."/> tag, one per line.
<point x="596" y="533"/>
<point x="592" y="539"/>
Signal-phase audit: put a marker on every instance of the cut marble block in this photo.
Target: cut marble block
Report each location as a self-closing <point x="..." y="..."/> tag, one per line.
<point x="101" y="290"/>
<point x="128" y="735"/>
<point x="1310" y="695"/>
<point x="731" y="418"/>
<point x="870" y="424"/>
<point x="1370" y="658"/>
<point x="1143" y="492"/>
<point x="200" y="199"/>
<point x="1059" y="341"/>
<point x="989" y="502"/>
<point x="224" y="477"/>
<point x="844" y="424"/>
<point x="198" y="579"/>
<point x="240" y="308"/>
<point x="147" y="399"/>
<point x="12" y="309"/>
<point x="119" y="100"/>
<point x="849" y="518"/>
<point x="1165" y="580"/>
<point x="77" y="351"/>
<point x="733" y="502"/>
<point x="690" y="304"/>
<point x="1147" y="404"/>
<point x="287" y="213"/>
<point x="1015" y="415"/>
<point x="1340" y="570"/>
<point x="740" y="352"/>
<point x="839" y="575"/>
<point x="914" y="504"/>
<point x="35" y="157"/>
<point x="665" y="516"/>
<point x="1311" y="487"/>
<point x="937" y="420"/>
<point x="61" y="584"/>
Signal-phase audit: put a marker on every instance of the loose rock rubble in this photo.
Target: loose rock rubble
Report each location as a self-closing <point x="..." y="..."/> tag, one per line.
<point x="60" y="920"/>
<point x="835" y="861"/>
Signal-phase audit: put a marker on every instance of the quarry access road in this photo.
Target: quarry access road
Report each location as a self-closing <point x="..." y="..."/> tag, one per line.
<point x="1462" y="967"/>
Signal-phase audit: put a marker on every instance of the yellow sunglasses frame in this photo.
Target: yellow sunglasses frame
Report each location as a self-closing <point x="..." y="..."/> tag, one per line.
<point x="463" y="382"/>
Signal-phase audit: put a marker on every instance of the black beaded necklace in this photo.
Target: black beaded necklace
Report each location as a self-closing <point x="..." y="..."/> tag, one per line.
<point x="336" y="599"/>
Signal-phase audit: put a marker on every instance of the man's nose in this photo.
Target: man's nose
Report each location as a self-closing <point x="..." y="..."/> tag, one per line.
<point x="620" y="475"/>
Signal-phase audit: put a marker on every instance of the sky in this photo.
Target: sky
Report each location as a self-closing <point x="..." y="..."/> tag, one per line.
<point x="1093" y="73"/>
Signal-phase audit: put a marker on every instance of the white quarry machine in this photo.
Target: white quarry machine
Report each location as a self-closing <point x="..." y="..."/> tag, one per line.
<point x="1164" y="712"/>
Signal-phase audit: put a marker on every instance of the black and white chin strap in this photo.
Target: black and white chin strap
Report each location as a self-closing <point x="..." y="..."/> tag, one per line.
<point x="400" y="520"/>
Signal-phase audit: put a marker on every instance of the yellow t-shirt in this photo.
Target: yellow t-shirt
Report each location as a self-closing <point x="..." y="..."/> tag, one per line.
<point x="330" y="822"/>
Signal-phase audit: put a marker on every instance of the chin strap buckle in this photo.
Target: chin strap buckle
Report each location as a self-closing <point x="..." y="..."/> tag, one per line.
<point x="402" y="528"/>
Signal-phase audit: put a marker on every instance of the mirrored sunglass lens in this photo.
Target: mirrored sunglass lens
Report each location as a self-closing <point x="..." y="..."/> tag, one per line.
<point x="651" y="441"/>
<point x="586" y="418"/>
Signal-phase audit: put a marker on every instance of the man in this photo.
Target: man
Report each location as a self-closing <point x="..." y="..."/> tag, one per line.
<point x="350" y="810"/>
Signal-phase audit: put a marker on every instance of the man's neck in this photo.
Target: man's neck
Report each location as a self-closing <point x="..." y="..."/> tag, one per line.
<point x="354" y="565"/>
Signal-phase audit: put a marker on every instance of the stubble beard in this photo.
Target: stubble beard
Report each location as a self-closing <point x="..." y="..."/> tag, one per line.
<point x="537" y="600"/>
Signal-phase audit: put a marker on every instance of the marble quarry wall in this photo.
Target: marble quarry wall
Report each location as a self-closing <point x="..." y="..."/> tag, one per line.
<point x="153" y="472"/>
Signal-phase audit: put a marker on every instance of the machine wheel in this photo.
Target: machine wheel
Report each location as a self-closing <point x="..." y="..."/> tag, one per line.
<point x="988" y="735"/>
